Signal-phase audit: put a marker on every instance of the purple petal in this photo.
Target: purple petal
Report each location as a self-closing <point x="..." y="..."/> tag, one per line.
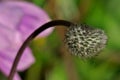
<point x="6" y="70"/>
<point x="11" y="42"/>
<point x="6" y="36"/>
<point x="11" y="0"/>
<point x="9" y="16"/>
<point x="8" y="57"/>
<point x="17" y="21"/>
<point x="26" y="61"/>
<point x="23" y="16"/>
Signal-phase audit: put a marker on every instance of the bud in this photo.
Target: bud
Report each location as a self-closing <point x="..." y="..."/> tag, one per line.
<point x="85" y="41"/>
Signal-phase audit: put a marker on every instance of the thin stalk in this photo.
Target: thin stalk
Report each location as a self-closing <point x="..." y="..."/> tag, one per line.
<point x="30" y="38"/>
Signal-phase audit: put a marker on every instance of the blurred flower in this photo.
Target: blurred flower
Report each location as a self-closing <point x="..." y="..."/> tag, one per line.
<point x="17" y="21"/>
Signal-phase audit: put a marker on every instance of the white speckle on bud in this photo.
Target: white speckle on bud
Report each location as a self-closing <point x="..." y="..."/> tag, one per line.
<point x="85" y="41"/>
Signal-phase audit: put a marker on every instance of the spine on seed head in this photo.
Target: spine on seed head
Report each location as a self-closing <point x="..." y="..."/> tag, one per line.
<point x="85" y="41"/>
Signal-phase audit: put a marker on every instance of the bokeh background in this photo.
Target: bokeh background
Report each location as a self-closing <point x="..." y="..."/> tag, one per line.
<point x="53" y="62"/>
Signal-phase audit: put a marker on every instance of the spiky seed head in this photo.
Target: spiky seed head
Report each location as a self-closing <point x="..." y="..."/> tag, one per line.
<point x="85" y="41"/>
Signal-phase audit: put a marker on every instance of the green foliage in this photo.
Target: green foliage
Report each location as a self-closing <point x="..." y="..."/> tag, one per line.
<point x="104" y="14"/>
<point x="39" y="2"/>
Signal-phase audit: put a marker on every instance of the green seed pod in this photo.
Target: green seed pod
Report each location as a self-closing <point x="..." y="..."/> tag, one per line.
<point x="85" y="41"/>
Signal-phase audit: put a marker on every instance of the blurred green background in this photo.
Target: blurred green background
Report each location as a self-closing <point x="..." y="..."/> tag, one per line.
<point x="52" y="60"/>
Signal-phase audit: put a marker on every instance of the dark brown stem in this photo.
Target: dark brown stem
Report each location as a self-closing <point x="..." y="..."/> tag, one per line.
<point x="30" y="38"/>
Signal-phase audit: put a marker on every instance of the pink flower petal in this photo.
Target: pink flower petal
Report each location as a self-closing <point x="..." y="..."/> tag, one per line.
<point x="6" y="36"/>
<point x="6" y="70"/>
<point x="17" y="21"/>
<point x="26" y="60"/>
<point x="26" y="17"/>
<point x="8" y="57"/>
<point x="9" y="16"/>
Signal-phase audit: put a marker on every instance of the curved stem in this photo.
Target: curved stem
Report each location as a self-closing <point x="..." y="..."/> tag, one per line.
<point x="30" y="38"/>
